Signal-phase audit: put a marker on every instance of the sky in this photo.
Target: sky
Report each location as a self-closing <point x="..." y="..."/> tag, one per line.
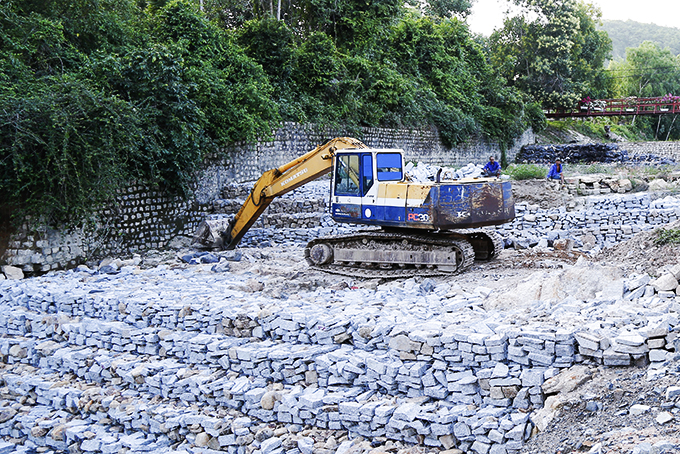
<point x="488" y="14"/>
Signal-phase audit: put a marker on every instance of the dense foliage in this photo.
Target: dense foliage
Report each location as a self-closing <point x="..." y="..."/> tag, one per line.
<point x="95" y="93"/>
<point x="555" y="53"/>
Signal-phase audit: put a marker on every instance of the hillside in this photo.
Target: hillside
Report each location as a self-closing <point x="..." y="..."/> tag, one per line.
<point x="631" y="34"/>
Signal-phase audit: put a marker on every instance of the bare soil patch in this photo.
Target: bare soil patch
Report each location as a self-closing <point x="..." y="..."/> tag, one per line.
<point x="640" y="254"/>
<point x="611" y="427"/>
<point x="543" y="193"/>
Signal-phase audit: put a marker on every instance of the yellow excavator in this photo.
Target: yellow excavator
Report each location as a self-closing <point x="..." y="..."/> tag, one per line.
<point x="426" y="229"/>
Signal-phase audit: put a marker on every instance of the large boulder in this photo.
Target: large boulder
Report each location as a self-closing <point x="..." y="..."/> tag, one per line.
<point x="664" y="283"/>
<point x="583" y="281"/>
<point x="12" y="272"/>
<point x="658" y="185"/>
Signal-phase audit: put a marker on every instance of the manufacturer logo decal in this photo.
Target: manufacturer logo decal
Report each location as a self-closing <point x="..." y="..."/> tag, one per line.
<point x="293" y="177"/>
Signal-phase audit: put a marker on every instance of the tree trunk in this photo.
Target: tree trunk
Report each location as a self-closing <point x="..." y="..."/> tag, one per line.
<point x="671" y="128"/>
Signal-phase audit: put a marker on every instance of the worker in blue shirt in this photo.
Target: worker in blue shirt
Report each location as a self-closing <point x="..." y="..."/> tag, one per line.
<point x="492" y="168"/>
<point x="555" y="172"/>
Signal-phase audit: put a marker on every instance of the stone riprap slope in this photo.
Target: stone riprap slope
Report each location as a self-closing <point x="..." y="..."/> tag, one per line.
<point x="216" y="357"/>
<point x="602" y="222"/>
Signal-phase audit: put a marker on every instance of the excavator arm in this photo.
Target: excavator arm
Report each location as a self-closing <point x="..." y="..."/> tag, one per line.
<point x="276" y="182"/>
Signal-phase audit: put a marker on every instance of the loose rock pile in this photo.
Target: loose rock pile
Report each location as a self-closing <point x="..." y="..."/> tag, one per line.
<point x="185" y="358"/>
<point x="422" y="172"/>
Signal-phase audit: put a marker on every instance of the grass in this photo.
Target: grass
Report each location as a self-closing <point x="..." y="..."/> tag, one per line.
<point x="650" y="172"/>
<point x="594" y="128"/>
<point x="525" y="171"/>
<point x="667" y="236"/>
<point x="590" y="169"/>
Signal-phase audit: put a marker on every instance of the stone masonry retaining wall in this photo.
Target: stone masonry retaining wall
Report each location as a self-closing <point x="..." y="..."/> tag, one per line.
<point x="294" y="140"/>
<point x="665" y="149"/>
<point x="147" y="219"/>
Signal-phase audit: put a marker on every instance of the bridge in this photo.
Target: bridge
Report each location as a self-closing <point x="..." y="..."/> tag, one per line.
<point x="617" y="107"/>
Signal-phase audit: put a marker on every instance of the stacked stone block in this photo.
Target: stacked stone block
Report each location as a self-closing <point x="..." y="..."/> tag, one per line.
<point x="609" y="220"/>
<point x="472" y="387"/>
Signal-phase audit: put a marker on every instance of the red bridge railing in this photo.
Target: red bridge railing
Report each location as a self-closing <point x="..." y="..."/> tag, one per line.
<point x="618" y="107"/>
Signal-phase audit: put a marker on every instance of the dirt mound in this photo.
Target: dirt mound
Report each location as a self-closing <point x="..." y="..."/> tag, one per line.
<point x="543" y="193"/>
<point x="641" y="254"/>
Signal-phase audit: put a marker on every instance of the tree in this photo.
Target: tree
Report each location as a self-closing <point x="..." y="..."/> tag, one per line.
<point x="556" y="57"/>
<point x="88" y="25"/>
<point x="76" y="124"/>
<point x="446" y="9"/>
<point x="648" y="70"/>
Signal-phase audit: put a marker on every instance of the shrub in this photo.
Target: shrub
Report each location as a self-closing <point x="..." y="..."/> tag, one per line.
<point x="526" y="171"/>
<point x="595" y="168"/>
<point x="667" y="236"/>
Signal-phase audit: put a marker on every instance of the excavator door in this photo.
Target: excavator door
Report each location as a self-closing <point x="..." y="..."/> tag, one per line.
<point x="353" y="187"/>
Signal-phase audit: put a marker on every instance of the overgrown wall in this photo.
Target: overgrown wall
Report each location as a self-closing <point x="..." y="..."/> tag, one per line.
<point x="145" y="219"/>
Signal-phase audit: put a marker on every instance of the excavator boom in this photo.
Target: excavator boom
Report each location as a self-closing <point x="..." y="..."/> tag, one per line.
<point x="279" y="181"/>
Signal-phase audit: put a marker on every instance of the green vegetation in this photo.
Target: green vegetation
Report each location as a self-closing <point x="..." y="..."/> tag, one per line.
<point x="625" y="34"/>
<point x="667" y="236"/>
<point x="649" y="71"/>
<point x="140" y="97"/>
<point x="591" y="127"/>
<point x="554" y="52"/>
<point x="94" y="94"/>
<point x="591" y="169"/>
<point x="526" y="171"/>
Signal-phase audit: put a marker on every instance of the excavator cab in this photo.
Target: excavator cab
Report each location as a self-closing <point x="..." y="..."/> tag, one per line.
<point x="356" y="181"/>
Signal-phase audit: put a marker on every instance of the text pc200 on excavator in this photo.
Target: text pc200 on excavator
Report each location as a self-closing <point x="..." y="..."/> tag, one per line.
<point x="426" y="228"/>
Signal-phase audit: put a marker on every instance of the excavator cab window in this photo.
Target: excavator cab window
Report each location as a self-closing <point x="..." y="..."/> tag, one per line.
<point x="366" y="173"/>
<point x="389" y="166"/>
<point x="347" y="175"/>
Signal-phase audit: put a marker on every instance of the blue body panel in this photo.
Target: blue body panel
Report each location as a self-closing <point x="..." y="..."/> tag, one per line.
<point x="447" y="206"/>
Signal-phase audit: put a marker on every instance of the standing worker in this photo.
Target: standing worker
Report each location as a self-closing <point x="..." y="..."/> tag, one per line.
<point x="555" y="172"/>
<point x="492" y="168"/>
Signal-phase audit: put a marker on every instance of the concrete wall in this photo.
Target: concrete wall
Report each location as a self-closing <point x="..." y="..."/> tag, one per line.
<point x="146" y="219"/>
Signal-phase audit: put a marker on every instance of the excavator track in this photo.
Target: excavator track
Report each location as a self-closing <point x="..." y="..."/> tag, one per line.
<point x="376" y="254"/>
<point x="486" y="243"/>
